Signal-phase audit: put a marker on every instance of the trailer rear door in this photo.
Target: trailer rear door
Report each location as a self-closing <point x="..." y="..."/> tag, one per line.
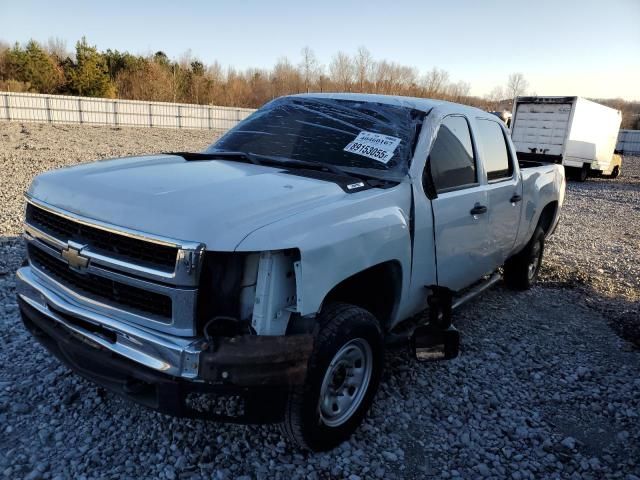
<point x="541" y="128"/>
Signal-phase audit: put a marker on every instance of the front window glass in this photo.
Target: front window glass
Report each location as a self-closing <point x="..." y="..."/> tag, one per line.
<point x="452" y="161"/>
<point x="353" y="135"/>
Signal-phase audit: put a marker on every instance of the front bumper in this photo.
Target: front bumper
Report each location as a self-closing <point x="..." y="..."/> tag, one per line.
<point x="169" y="354"/>
<point x="160" y="371"/>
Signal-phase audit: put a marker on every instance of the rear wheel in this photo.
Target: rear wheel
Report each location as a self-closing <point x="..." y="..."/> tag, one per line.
<point x="615" y="172"/>
<point x="342" y="378"/>
<point x="521" y="270"/>
<point x="583" y="173"/>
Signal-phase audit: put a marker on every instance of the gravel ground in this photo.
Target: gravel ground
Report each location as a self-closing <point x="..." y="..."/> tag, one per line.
<point x="547" y="384"/>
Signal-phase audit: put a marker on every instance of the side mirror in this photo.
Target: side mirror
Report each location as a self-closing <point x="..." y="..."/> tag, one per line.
<point x="430" y="344"/>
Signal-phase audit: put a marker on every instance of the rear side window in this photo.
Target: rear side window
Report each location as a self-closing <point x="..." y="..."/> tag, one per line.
<point x="452" y="160"/>
<point x="494" y="150"/>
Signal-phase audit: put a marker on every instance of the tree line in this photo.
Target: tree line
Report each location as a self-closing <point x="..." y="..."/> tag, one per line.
<point x="51" y="68"/>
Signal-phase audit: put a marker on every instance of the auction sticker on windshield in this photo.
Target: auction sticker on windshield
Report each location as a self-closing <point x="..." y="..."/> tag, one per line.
<point x="373" y="145"/>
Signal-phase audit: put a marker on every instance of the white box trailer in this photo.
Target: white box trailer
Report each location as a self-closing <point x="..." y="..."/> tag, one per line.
<point x="578" y="133"/>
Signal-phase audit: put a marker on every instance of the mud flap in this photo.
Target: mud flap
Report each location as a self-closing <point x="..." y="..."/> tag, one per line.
<point x="431" y="343"/>
<point x="439" y="339"/>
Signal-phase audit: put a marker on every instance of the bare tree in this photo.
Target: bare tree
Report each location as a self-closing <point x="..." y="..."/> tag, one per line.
<point x="57" y="47"/>
<point x="495" y="97"/>
<point x="215" y="72"/>
<point x="435" y="83"/>
<point x="309" y="67"/>
<point x="496" y="94"/>
<point x="393" y="78"/>
<point x="185" y="59"/>
<point x="341" y="71"/>
<point x="384" y="77"/>
<point x="285" y="78"/>
<point x="363" y="67"/>
<point x="516" y="85"/>
<point x="458" y="91"/>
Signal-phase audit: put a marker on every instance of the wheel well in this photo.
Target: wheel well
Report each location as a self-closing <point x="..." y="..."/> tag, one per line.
<point x="376" y="289"/>
<point x="547" y="216"/>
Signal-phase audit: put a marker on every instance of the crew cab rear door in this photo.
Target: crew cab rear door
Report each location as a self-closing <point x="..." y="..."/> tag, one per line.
<point x="460" y="207"/>
<point x="504" y="188"/>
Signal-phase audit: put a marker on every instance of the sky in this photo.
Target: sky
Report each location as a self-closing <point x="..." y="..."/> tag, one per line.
<point x="563" y="47"/>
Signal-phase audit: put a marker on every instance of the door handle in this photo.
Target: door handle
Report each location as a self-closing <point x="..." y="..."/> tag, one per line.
<point x="516" y="198"/>
<point x="478" y="209"/>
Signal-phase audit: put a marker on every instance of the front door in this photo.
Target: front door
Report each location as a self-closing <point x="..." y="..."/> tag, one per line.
<point x="460" y="210"/>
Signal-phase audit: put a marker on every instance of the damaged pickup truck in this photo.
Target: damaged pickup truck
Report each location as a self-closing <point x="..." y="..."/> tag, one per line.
<point x="260" y="280"/>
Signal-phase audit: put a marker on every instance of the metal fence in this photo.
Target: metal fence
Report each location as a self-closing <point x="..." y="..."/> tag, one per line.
<point x="34" y="107"/>
<point x="629" y="142"/>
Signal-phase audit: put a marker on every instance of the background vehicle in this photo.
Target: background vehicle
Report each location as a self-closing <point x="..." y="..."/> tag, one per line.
<point x="275" y="265"/>
<point x="628" y="142"/>
<point x="576" y="132"/>
<point x="503" y="115"/>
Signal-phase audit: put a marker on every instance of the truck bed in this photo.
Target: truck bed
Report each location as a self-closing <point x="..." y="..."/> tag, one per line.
<point x="531" y="164"/>
<point x="542" y="184"/>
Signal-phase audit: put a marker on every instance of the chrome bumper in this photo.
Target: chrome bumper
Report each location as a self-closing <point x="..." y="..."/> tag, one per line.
<point x="176" y="356"/>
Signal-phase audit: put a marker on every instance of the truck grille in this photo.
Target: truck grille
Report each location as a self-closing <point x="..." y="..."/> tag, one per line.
<point x="126" y="248"/>
<point x="104" y="289"/>
<point x="129" y="276"/>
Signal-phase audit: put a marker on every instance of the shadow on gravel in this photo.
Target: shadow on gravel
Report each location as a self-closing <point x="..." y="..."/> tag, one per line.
<point x="623" y="315"/>
<point x="12" y="254"/>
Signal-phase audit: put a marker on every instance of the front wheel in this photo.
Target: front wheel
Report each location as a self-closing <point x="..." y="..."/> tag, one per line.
<point x="521" y="270"/>
<point x="342" y="378"/>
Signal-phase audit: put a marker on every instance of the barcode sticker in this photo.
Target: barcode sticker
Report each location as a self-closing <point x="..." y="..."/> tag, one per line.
<point x="373" y="145"/>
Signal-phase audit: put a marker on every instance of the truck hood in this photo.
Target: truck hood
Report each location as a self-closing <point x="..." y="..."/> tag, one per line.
<point x="216" y="202"/>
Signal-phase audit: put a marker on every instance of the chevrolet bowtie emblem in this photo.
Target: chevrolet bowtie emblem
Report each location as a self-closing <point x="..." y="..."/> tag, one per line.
<point x="73" y="256"/>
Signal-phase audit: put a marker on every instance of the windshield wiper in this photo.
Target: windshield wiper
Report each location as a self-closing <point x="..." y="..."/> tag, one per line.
<point x="221" y="155"/>
<point x="293" y="162"/>
<point x="273" y="160"/>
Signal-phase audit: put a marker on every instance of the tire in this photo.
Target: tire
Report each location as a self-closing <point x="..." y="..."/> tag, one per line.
<point x="349" y="337"/>
<point x="615" y="172"/>
<point x="583" y="173"/>
<point x="521" y="270"/>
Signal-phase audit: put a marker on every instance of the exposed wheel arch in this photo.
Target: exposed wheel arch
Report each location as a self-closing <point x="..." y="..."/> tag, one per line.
<point x="377" y="289"/>
<point x="545" y="221"/>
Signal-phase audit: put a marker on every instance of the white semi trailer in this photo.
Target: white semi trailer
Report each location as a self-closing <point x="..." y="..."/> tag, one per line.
<point x="578" y="133"/>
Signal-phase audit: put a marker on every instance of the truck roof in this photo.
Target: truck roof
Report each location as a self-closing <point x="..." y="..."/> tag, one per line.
<point x="546" y="99"/>
<point x="423" y="104"/>
<point x="559" y="99"/>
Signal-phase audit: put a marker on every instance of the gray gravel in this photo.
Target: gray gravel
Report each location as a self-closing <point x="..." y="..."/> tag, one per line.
<point x="547" y="385"/>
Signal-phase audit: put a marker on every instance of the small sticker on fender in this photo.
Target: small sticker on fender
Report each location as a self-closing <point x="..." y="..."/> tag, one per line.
<point x="373" y="145"/>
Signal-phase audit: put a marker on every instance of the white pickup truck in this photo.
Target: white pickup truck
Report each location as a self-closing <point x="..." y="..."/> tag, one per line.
<point x="276" y="265"/>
